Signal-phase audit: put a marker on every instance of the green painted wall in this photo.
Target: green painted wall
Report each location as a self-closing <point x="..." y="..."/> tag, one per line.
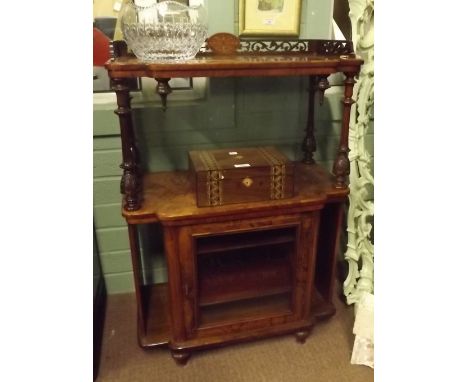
<point x="234" y="112"/>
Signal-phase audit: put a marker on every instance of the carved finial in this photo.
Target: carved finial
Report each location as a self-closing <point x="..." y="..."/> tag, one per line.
<point x="118" y="48"/>
<point x="322" y="85"/>
<point x="341" y="168"/>
<point x="223" y="43"/>
<point x="163" y="89"/>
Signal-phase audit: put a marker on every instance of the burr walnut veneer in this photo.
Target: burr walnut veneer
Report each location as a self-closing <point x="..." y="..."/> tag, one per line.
<point x="244" y="271"/>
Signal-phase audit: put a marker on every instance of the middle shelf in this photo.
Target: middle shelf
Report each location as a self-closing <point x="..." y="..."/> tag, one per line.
<point x="228" y="242"/>
<point x="169" y="197"/>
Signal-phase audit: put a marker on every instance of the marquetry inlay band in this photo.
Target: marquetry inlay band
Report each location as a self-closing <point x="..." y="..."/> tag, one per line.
<point x="214" y="187"/>
<point x="278" y="178"/>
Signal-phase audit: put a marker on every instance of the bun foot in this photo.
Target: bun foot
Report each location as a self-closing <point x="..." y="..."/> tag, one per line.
<point x="302" y="335"/>
<point x="180" y="357"/>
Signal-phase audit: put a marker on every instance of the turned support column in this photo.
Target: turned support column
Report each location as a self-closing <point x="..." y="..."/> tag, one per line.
<point x="130" y="183"/>
<point x="341" y="166"/>
<point x="309" y="144"/>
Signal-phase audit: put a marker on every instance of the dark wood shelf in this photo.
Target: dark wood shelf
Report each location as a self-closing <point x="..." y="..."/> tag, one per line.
<point x="278" y="304"/>
<point x="157" y="330"/>
<point x="219" y="58"/>
<point x="261" y="65"/>
<point x="243" y="295"/>
<point x="230" y="242"/>
<point x="245" y="274"/>
<point x="321" y="309"/>
<point x="169" y="197"/>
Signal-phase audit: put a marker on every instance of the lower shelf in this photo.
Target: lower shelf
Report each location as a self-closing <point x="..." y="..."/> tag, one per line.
<point x="322" y="309"/>
<point x="238" y="310"/>
<point x="157" y="330"/>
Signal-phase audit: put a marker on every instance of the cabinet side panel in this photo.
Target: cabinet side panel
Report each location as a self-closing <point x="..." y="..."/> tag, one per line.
<point x="330" y="230"/>
<point x="188" y="274"/>
<point x="174" y="282"/>
<point x="137" y="275"/>
<point x="306" y="263"/>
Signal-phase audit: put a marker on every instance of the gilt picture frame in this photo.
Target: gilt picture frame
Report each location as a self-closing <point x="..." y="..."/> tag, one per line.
<point x="269" y="17"/>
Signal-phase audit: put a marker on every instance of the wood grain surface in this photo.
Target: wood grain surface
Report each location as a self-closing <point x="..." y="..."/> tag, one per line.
<point x="168" y="197"/>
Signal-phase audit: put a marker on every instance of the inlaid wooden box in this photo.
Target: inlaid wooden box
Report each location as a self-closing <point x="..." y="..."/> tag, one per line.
<point x="240" y="175"/>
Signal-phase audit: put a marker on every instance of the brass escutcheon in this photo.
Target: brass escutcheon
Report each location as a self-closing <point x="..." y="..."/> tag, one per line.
<point x="247" y="182"/>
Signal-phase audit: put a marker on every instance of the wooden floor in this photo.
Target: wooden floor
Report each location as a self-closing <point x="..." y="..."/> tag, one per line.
<point x="324" y="357"/>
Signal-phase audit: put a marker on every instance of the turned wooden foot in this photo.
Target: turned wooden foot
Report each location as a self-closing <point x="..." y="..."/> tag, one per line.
<point x="302" y="335"/>
<point x="180" y="357"/>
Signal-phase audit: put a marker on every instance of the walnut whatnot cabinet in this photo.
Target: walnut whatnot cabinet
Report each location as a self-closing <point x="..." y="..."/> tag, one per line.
<point x="236" y="272"/>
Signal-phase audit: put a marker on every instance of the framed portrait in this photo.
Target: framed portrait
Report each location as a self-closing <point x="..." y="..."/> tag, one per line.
<point x="269" y="17"/>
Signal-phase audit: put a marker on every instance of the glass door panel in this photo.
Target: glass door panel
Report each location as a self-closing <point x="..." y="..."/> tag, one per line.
<point x="244" y="274"/>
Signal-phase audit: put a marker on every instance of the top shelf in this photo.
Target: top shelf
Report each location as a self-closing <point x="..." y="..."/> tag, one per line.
<point x="225" y="55"/>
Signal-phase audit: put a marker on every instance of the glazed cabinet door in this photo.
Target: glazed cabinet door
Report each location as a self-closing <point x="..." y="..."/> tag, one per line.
<point x="246" y="275"/>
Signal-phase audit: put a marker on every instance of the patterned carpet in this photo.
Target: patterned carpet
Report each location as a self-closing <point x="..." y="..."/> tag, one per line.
<point x="324" y="357"/>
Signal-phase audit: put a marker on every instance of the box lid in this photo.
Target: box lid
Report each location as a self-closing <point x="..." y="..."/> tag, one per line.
<point x="237" y="159"/>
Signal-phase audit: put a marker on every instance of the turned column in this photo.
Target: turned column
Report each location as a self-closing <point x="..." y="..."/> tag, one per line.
<point x="130" y="184"/>
<point x="341" y="166"/>
<point x="309" y="144"/>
